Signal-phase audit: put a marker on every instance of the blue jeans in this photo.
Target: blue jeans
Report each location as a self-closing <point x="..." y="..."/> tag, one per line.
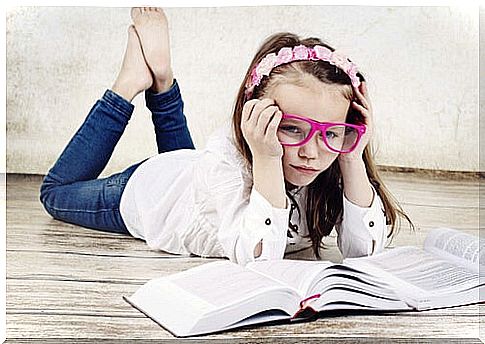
<point x="72" y="192"/>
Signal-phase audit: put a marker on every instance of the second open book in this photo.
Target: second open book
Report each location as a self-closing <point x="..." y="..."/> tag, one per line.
<point x="223" y="295"/>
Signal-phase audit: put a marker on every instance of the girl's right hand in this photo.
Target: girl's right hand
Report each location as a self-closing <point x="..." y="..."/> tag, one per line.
<point x="259" y="123"/>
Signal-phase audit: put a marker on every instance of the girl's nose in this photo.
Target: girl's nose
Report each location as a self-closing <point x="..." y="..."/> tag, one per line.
<point x="310" y="149"/>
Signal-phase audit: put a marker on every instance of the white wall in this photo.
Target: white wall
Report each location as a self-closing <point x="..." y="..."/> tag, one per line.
<point x="421" y="64"/>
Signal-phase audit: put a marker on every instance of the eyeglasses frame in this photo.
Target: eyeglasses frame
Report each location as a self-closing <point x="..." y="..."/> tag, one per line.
<point x="322" y="127"/>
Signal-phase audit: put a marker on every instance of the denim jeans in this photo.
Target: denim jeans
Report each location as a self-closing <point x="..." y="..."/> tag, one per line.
<point x="72" y="191"/>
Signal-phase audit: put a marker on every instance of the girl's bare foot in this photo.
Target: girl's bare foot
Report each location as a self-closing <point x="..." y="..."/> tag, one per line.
<point x="152" y="27"/>
<point x="134" y="76"/>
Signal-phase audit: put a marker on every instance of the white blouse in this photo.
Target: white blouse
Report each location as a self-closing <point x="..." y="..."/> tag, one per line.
<point x="202" y="202"/>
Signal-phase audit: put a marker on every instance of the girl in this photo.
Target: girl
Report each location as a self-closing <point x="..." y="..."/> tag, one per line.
<point x="295" y="164"/>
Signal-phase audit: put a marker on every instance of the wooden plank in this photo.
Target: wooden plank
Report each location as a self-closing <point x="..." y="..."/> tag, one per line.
<point x="412" y="196"/>
<point x="259" y="340"/>
<point x="442" y="217"/>
<point x="441" y="188"/>
<point x="390" y="177"/>
<point x="433" y="192"/>
<point x="78" y="298"/>
<point x="377" y="326"/>
<point x="71" y="267"/>
<point x="74" y="239"/>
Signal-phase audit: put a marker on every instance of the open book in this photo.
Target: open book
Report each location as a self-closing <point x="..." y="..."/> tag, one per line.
<point x="222" y="295"/>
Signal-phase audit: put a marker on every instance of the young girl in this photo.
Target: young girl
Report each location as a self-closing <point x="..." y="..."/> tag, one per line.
<point x="295" y="164"/>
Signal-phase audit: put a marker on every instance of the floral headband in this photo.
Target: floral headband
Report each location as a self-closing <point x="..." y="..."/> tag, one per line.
<point x="301" y="53"/>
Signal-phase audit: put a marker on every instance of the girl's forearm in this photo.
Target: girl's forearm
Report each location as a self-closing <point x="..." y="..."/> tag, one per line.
<point x="357" y="187"/>
<point x="269" y="181"/>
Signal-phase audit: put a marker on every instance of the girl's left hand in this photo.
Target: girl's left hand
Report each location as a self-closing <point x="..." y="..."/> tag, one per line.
<point x="363" y="105"/>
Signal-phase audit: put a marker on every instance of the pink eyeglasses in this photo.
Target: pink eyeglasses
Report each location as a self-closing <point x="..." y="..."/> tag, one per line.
<point x="294" y="130"/>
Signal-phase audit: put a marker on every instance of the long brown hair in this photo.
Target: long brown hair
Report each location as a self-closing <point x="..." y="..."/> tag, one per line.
<point x="324" y="196"/>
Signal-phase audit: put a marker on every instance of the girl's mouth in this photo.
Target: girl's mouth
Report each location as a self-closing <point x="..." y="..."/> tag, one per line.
<point x="305" y="170"/>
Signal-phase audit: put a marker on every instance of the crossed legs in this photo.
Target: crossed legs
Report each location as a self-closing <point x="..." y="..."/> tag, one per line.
<point x="72" y="191"/>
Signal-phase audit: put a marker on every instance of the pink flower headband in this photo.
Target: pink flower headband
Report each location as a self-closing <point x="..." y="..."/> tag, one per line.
<point x="301" y="53"/>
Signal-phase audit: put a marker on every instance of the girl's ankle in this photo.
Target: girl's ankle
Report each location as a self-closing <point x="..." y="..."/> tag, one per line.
<point x="162" y="85"/>
<point x="124" y="91"/>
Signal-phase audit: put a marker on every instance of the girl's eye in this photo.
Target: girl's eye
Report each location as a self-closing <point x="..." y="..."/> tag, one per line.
<point x="331" y="135"/>
<point x="349" y="130"/>
<point x="290" y="129"/>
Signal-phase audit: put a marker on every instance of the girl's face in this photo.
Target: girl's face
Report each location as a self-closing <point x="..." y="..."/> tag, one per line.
<point x="319" y="102"/>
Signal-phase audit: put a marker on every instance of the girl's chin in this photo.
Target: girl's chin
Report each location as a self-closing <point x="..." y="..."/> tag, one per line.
<point x="299" y="181"/>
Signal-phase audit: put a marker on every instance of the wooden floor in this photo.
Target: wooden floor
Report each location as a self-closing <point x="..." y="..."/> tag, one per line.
<point x="67" y="282"/>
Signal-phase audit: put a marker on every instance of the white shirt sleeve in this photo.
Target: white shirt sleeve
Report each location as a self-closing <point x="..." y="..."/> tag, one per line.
<point x="245" y="222"/>
<point x="273" y="234"/>
<point x="362" y="231"/>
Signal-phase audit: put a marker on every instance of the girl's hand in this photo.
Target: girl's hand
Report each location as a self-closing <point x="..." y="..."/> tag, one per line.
<point x="259" y="123"/>
<point x="363" y="105"/>
<point x="357" y="187"/>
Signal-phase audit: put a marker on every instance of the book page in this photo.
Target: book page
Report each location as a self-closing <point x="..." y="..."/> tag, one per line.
<point x="421" y="269"/>
<point x="223" y="283"/>
<point x="459" y="247"/>
<point x="298" y="274"/>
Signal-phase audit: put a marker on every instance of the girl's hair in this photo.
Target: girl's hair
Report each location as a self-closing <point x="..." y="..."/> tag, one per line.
<point x="324" y="196"/>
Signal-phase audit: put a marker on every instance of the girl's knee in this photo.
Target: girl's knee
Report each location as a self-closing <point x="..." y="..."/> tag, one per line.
<point x="47" y="195"/>
<point x="53" y="199"/>
<point x="48" y="188"/>
<point x="45" y="190"/>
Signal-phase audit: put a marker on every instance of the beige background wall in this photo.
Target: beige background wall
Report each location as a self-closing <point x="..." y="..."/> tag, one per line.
<point x="421" y="65"/>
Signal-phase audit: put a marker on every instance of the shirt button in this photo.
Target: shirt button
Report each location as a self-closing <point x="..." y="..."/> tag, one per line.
<point x="268" y="221"/>
<point x="371" y="223"/>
